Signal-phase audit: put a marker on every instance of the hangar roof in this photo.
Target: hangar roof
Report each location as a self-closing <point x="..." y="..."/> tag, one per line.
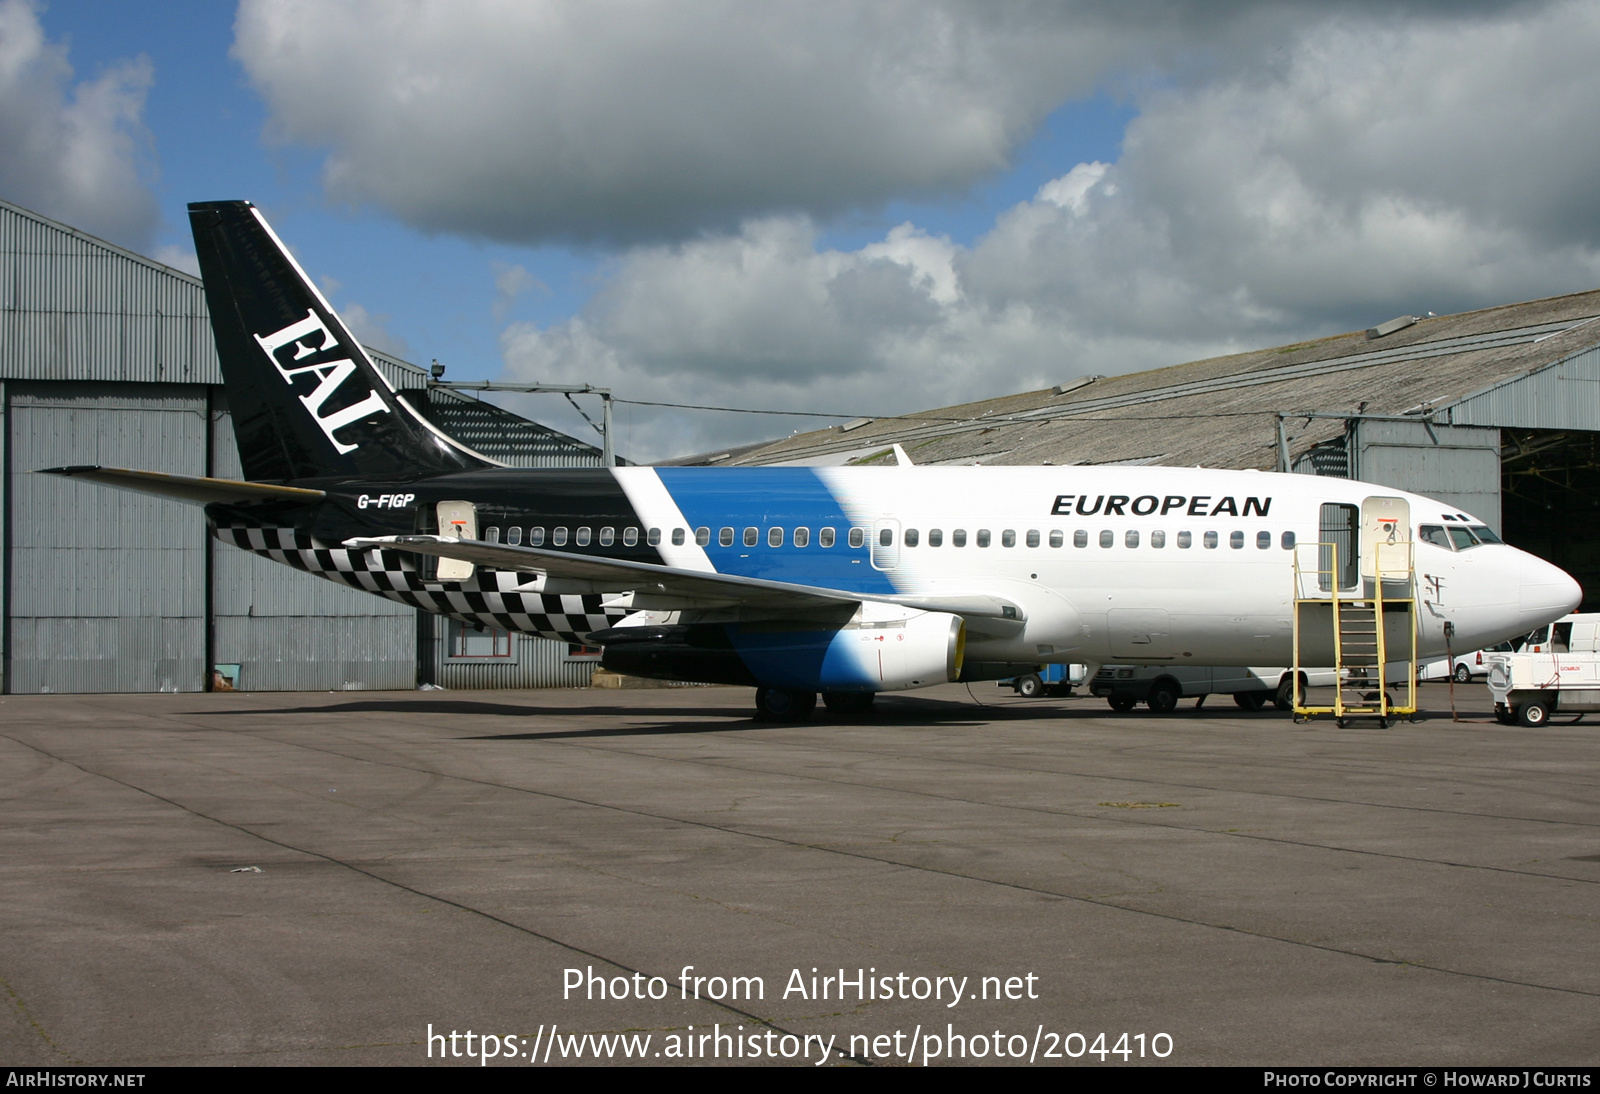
<point x="1223" y="411"/>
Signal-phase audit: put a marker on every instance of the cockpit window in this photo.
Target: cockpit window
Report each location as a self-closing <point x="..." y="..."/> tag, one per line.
<point x="1461" y="537"/>
<point x="1434" y="534"/>
<point x="1485" y="534"/>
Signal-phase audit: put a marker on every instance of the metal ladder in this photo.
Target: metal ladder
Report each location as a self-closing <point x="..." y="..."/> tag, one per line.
<point x="1365" y="665"/>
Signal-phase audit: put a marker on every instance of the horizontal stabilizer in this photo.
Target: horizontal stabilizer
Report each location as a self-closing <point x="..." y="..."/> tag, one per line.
<point x="192" y="488"/>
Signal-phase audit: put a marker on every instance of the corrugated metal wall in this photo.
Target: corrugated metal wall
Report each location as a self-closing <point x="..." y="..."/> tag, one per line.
<point x="289" y="631"/>
<point x="1455" y="464"/>
<point x="106" y="587"/>
<point x="536" y="663"/>
<point x="1565" y="395"/>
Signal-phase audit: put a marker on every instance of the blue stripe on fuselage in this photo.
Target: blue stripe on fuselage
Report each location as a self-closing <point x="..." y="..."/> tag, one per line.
<point x="765" y="498"/>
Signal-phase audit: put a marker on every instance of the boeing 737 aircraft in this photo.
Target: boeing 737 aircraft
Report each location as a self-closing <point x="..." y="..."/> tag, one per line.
<point x="797" y="581"/>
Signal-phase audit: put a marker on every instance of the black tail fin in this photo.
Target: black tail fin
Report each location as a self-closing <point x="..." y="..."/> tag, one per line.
<point x="307" y="402"/>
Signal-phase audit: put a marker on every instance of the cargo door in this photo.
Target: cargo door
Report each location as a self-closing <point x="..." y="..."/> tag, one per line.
<point x="457" y="520"/>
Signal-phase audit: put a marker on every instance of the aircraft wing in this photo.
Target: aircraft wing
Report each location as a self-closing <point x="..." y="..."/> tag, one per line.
<point x="667" y="587"/>
<point x="192" y="488"/>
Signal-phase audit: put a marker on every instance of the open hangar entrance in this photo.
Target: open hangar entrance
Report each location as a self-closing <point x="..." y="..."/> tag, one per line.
<point x="1550" y="500"/>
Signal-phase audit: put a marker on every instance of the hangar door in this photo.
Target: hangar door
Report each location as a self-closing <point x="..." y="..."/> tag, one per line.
<point x="106" y="587"/>
<point x="1455" y="464"/>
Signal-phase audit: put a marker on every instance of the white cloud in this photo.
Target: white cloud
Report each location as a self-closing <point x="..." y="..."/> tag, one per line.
<point x="73" y="152"/>
<point x="1362" y="170"/>
<point x="372" y="329"/>
<point x="657" y="119"/>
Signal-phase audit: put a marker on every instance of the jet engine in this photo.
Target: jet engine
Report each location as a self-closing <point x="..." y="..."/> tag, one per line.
<point x="883" y="647"/>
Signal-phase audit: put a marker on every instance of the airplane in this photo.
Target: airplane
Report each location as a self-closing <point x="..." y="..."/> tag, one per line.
<point x="797" y="581"/>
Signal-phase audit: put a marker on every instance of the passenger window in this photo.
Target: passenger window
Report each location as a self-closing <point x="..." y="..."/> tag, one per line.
<point x="653" y="537"/>
<point x="1236" y="540"/>
<point x="492" y="534"/>
<point x="1264" y="540"/>
<point x="608" y="536"/>
<point x="1107" y="538"/>
<point x="535" y="537"/>
<point x="958" y="538"/>
<point x="802" y="537"/>
<point x="582" y="537"/>
<point x="1033" y="537"/>
<point x="514" y="536"/>
<point x="1210" y="540"/>
<point x="774" y="537"/>
<point x="983" y="537"/>
<point x="630" y="536"/>
<point x="1008" y="538"/>
<point x="911" y="537"/>
<point x="1185" y="540"/>
<point x="558" y="537"/>
<point x="725" y="537"/>
<point x="885" y="537"/>
<point x="1131" y="539"/>
<point x="935" y="537"/>
<point x="1056" y="538"/>
<point x="752" y="536"/>
<point x="702" y="536"/>
<point x="1158" y="539"/>
<point x="858" y="536"/>
<point x="678" y="536"/>
<point x="1080" y="538"/>
<point x="825" y="537"/>
<point x="1287" y="540"/>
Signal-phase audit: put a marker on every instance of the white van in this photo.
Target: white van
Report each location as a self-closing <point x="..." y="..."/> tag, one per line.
<point x="1161" y="686"/>
<point x="1575" y="633"/>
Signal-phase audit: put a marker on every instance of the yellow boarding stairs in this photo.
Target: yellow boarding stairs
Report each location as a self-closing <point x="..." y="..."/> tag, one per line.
<point x="1369" y="628"/>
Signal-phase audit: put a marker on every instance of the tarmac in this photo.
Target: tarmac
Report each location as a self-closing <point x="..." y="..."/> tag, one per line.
<point x="961" y="877"/>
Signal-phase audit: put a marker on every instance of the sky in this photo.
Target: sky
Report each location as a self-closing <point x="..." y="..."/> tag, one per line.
<point x="824" y="207"/>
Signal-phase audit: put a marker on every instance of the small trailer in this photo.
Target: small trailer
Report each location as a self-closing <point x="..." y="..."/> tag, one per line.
<point x="1530" y="687"/>
<point x="1055" y="680"/>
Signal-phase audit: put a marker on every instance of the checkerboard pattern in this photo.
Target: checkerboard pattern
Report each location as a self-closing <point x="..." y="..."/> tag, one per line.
<point x="487" y="600"/>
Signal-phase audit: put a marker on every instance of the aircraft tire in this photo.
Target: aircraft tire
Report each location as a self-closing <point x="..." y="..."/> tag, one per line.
<point x="1163" y="698"/>
<point x="784" y="704"/>
<point x="1121" y="703"/>
<point x="1030" y="686"/>
<point x="847" y="703"/>
<point x="1250" y="700"/>
<point x="1532" y="714"/>
<point x="1463" y="674"/>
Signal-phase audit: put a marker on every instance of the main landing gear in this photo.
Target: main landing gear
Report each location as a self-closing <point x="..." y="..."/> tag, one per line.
<point x="793" y="705"/>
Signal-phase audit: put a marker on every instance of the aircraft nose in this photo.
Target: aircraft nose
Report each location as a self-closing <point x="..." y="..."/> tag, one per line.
<point x="1545" y="592"/>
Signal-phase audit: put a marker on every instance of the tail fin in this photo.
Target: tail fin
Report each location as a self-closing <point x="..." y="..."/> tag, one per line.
<point x="307" y="402"/>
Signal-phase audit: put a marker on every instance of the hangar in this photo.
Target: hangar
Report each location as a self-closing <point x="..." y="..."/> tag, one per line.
<point x="106" y="357"/>
<point x="1497" y="411"/>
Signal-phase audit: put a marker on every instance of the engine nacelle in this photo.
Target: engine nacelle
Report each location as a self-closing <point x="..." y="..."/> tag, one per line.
<point x="883" y="647"/>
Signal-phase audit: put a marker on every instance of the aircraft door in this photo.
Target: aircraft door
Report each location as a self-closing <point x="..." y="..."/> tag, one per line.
<point x="885" y="544"/>
<point x="1386" y="543"/>
<point x="457" y="520"/>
